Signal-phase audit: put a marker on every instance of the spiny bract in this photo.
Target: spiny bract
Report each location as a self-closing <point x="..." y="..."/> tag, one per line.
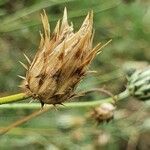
<point x="61" y="61"/>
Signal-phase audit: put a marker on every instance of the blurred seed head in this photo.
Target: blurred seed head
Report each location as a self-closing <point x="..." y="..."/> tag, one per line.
<point x="67" y="122"/>
<point x="139" y="84"/>
<point x="103" y="138"/>
<point x="78" y="135"/>
<point x="104" y="112"/>
<point x="61" y="61"/>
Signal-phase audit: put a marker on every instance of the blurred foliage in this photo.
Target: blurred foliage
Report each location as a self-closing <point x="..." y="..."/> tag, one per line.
<point x="127" y="23"/>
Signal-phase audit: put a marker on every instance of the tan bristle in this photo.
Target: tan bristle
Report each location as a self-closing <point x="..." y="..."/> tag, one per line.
<point x="27" y="58"/>
<point x="24" y="65"/>
<point x="21" y="77"/>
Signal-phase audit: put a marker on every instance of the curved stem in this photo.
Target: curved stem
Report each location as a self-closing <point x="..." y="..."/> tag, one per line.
<point x="13" y="98"/>
<point x="93" y="103"/>
<point x="23" y="120"/>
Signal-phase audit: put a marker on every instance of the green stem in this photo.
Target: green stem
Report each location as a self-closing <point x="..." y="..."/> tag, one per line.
<point x="92" y="103"/>
<point x="13" y="98"/>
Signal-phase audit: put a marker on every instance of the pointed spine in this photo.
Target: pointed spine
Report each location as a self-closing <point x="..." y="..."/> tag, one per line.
<point x="21" y="77"/>
<point x="98" y="52"/>
<point x="27" y="58"/>
<point x="46" y="25"/>
<point x="25" y="66"/>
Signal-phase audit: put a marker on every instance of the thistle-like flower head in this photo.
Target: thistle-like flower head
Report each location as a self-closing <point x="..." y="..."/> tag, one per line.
<point x="139" y="84"/>
<point x="61" y="61"/>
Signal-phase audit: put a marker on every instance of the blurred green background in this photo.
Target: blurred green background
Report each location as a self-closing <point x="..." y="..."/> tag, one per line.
<point x="127" y="23"/>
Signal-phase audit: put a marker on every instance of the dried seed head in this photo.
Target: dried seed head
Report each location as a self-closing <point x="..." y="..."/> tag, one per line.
<point x="61" y="61"/>
<point x="104" y="112"/>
